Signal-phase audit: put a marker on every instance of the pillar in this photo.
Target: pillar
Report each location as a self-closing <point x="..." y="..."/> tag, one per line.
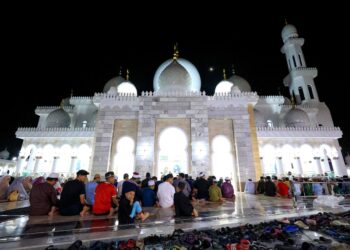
<point x="279" y="167"/>
<point x="72" y="165"/>
<point x="298" y="166"/>
<point x="54" y="164"/>
<point x="36" y="166"/>
<point x="19" y="165"/>
<point x="318" y="165"/>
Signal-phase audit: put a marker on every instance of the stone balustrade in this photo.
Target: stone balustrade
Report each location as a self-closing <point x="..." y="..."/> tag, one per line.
<point x="300" y="132"/>
<point x="26" y="132"/>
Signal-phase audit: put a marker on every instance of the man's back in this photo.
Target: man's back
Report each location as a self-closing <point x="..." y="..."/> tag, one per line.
<point x="183" y="206"/>
<point x="42" y="198"/>
<point x="71" y="193"/>
<point x="165" y="194"/>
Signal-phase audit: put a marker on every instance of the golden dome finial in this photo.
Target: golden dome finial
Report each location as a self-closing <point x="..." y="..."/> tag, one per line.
<point x="292" y="101"/>
<point x="224" y="73"/>
<point x="176" y="52"/>
<point x="285" y="21"/>
<point x="120" y="71"/>
<point x="71" y="93"/>
<point x="127" y="74"/>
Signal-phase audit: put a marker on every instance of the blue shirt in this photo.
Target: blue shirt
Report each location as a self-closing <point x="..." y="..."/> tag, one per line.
<point x="249" y="187"/>
<point x="90" y="192"/>
<point x="148" y="197"/>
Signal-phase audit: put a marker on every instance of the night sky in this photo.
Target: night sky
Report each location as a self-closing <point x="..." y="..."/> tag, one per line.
<point x="45" y="56"/>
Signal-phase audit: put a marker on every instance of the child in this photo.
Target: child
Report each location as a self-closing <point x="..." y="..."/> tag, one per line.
<point x="129" y="209"/>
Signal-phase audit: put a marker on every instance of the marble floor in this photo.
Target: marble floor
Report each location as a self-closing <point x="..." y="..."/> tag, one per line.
<point x="22" y="232"/>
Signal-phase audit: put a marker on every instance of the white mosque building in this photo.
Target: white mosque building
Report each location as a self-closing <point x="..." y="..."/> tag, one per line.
<point x="177" y="128"/>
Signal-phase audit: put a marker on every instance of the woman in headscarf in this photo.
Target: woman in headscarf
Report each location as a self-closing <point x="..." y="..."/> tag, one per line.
<point x="4" y="185"/>
<point x="21" y="184"/>
<point x="39" y="180"/>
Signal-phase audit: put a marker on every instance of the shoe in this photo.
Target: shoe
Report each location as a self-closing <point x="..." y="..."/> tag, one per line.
<point x="290" y="229"/>
<point x="301" y="224"/>
<point x="284" y="220"/>
<point x="311" y="222"/>
<point x="339" y="223"/>
<point x="76" y="245"/>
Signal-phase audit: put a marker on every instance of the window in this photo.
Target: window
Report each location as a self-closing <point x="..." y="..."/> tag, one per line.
<point x="301" y="62"/>
<point x="295" y="63"/>
<point x="310" y="91"/>
<point x="301" y="93"/>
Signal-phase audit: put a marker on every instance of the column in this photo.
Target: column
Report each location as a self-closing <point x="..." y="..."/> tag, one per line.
<point x="72" y="164"/>
<point x="318" y="165"/>
<point x="36" y="166"/>
<point x="19" y="165"/>
<point x="54" y="164"/>
<point x="263" y="167"/>
<point x="298" y="166"/>
<point x="338" y="171"/>
<point x="279" y="166"/>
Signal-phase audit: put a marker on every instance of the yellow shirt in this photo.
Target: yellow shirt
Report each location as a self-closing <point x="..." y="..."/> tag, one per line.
<point x="214" y="193"/>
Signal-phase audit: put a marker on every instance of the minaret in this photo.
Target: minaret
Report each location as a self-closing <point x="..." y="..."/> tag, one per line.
<point x="300" y="79"/>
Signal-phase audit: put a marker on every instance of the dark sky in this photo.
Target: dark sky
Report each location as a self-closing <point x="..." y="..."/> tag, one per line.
<point x="44" y="56"/>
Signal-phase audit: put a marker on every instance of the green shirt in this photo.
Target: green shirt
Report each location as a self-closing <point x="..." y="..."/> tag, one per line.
<point x="214" y="193"/>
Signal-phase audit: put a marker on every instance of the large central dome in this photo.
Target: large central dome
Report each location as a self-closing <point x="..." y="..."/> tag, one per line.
<point x="177" y="75"/>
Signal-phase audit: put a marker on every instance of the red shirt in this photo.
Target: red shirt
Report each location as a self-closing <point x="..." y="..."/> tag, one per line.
<point x="103" y="198"/>
<point x="282" y="189"/>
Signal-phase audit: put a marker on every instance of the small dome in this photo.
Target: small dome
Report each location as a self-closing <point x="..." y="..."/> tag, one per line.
<point x="296" y="118"/>
<point x="240" y="82"/>
<point x="289" y="31"/>
<point x="58" y="119"/>
<point x="127" y="87"/>
<point x="223" y="87"/>
<point x="114" y="82"/>
<point x="260" y="121"/>
<point x="112" y="91"/>
<point x="5" y="154"/>
<point x="235" y="90"/>
<point x="178" y="75"/>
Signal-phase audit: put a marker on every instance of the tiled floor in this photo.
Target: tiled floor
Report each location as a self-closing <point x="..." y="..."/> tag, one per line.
<point x="22" y="232"/>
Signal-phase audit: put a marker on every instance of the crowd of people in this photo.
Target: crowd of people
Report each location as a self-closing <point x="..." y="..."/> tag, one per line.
<point x="127" y="197"/>
<point x="289" y="186"/>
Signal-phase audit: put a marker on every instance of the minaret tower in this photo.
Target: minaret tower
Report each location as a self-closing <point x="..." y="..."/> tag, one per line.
<point x="300" y="79"/>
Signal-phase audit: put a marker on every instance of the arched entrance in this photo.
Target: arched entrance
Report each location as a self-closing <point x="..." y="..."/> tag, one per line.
<point x="124" y="160"/>
<point x="172" y="151"/>
<point x="222" y="158"/>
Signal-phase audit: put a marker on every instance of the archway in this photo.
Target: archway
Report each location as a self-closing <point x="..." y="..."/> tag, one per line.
<point x="172" y="155"/>
<point x="222" y="158"/>
<point x="124" y="160"/>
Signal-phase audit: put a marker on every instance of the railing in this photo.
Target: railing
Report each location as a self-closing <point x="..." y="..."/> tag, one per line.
<point x="300" y="132"/>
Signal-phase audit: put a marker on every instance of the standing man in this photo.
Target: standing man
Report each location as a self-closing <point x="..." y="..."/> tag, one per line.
<point x="201" y="186"/>
<point x="43" y="197"/>
<point x="106" y="196"/>
<point x="73" y="196"/>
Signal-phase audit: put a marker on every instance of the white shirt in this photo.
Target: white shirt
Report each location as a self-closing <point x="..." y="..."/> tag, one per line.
<point x="249" y="187"/>
<point x="165" y="194"/>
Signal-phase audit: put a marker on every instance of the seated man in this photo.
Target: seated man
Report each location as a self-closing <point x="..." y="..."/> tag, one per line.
<point x="106" y="196"/>
<point x="227" y="189"/>
<point x="148" y="194"/>
<point x="183" y="206"/>
<point x="43" y="197"/>
<point x="90" y="189"/>
<point x="73" y="196"/>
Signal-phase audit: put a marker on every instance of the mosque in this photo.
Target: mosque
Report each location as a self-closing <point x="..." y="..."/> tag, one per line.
<point x="179" y="128"/>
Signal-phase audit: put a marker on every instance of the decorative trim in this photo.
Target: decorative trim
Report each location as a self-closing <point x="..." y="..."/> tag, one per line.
<point x="55" y="132"/>
<point x="300" y="132"/>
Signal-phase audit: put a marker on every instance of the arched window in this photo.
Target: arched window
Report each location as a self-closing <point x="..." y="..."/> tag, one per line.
<point x="269" y="123"/>
<point x="310" y="91"/>
<point x="301" y="93"/>
<point x="295" y="63"/>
